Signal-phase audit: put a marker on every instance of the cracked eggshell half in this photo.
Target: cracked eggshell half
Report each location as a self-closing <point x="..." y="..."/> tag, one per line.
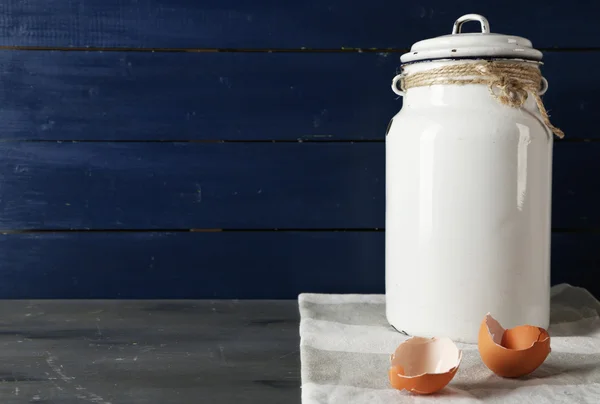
<point x="424" y="365"/>
<point x="515" y="352"/>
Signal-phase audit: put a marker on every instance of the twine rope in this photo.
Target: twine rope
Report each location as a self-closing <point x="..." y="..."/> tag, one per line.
<point x="513" y="81"/>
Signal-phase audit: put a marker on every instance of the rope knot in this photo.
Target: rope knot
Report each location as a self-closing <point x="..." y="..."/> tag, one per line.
<point x="512" y="91"/>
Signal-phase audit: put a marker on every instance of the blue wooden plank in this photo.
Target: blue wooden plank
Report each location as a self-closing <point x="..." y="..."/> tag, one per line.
<point x="277" y="24"/>
<point x="576" y="193"/>
<point x="233" y="96"/>
<point x="224" y="265"/>
<point x="571" y="100"/>
<point x="191" y="185"/>
<point x="189" y="265"/>
<point x="232" y="185"/>
<point x="576" y="260"/>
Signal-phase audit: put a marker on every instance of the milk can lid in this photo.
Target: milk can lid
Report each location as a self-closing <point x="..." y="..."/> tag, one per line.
<point x="472" y="45"/>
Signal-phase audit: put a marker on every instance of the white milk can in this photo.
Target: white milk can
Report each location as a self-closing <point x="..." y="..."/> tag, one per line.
<point x="468" y="186"/>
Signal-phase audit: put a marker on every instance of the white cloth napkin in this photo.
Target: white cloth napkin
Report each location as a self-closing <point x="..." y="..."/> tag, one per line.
<point x="346" y="343"/>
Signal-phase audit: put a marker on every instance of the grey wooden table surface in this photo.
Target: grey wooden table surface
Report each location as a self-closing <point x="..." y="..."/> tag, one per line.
<point x="91" y="351"/>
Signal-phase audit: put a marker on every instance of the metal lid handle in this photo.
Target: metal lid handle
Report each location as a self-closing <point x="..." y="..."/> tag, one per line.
<point x="485" y="25"/>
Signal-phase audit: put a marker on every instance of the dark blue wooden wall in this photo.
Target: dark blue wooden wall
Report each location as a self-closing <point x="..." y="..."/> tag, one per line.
<point x="235" y="149"/>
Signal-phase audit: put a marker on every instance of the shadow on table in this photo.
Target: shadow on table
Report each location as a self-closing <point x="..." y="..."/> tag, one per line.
<point x="577" y="328"/>
<point x="9" y="376"/>
<point x="556" y="373"/>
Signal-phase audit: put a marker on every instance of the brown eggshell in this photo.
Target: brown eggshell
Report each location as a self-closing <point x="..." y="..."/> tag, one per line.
<point x="515" y="352"/>
<point x="423" y="365"/>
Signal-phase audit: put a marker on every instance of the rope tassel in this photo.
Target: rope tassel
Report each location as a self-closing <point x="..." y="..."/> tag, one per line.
<point x="509" y="83"/>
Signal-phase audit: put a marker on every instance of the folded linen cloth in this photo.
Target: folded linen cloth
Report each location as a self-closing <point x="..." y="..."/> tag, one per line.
<point x="346" y="342"/>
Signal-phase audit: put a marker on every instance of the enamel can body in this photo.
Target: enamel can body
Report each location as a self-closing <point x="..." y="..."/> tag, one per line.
<point x="468" y="211"/>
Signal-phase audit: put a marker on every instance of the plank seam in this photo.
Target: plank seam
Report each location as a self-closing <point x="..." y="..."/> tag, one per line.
<point x="375" y="140"/>
<point x="581" y="230"/>
<point x="245" y="50"/>
<point x="166" y="230"/>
